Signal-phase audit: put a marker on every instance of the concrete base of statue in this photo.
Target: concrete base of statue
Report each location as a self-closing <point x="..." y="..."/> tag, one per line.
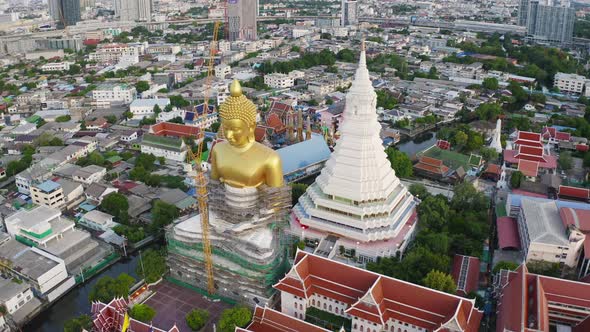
<point x="243" y="230"/>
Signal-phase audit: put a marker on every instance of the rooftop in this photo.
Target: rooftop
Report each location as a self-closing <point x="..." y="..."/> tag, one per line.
<point x="48" y="186"/>
<point x="161" y="102"/>
<point x="98" y="217"/>
<point x="544" y="222"/>
<point x="10" y="289"/>
<point x="303" y="154"/>
<point x="161" y="142"/>
<point x="31" y="262"/>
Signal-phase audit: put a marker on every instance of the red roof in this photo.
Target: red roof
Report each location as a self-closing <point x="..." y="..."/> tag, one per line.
<point x="523" y="301"/>
<point x="561" y="136"/>
<point x="507" y="233"/>
<point x="442" y="144"/>
<point x="493" y="169"/>
<point x="260" y="134"/>
<point x="582" y="147"/>
<point x="466" y="274"/>
<point x="529" y="139"/>
<point x="377" y="298"/>
<point x="432" y="165"/>
<point x="269" y="320"/>
<point x="88" y="42"/>
<point x="512" y="157"/>
<point x="576" y="217"/>
<point x="574" y="192"/>
<point x="274" y="121"/>
<point x="174" y="129"/>
<point x="528" y="168"/>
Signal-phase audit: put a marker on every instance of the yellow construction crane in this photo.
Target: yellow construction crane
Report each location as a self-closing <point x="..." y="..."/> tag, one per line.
<point x="200" y="179"/>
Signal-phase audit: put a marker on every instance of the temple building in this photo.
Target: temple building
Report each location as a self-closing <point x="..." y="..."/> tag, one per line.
<point x="370" y="301"/>
<point x="357" y="207"/>
<point x="529" y="155"/>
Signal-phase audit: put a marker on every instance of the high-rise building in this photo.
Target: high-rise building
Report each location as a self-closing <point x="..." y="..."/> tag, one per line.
<point x="349" y="14"/>
<point x="547" y="21"/>
<point x="242" y="19"/>
<point x="65" y="12"/>
<point x="134" y="10"/>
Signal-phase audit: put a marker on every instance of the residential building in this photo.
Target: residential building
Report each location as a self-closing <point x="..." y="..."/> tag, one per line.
<point x="170" y="148"/>
<point x="89" y="174"/>
<point x="145" y="107"/>
<point x="241" y="16"/>
<point x="222" y="71"/>
<point x="45" y="273"/>
<point x="98" y="221"/>
<point x="112" y="53"/>
<point x="48" y="230"/>
<point x="279" y="81"/>
<point x="56" y="66"/>
<point x="65" y="12"/>
<point x="372" y="301"/>
<point x="531" y="302"/>
<point x="73" y="193"/>
<point x="48" y="193"/>
<point x="543" y="236"/>
<point x="14" y="295"/>
<point x="547" y="21"/>
<point x="134" y="10"/>
<point x="349" y="13"/>
<point x="357" y="204"/>
<point x="106" y="94"/>
<point x="569" y="83"/>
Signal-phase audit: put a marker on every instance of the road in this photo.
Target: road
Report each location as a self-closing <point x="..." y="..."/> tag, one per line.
<point x="433" y="188"/>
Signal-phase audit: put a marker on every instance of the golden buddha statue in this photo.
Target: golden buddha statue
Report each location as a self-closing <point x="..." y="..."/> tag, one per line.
<point x="241" y="162"/>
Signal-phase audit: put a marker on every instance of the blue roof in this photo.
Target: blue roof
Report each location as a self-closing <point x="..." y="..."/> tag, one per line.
<point x="48" y="186"/>
<point x="161" y="102"/>
<point x="303" y="154"/>
<point x="515" y="200"/>
<point x="87" y="206"/>
<point x="189" y="116"/>
<point x="562" y="128"/>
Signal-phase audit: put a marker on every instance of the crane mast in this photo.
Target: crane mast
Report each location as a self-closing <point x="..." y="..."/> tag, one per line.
<point x="199" y="178"/>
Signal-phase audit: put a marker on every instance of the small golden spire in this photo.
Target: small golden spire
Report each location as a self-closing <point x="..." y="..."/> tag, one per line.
<point x="235" y="89"/>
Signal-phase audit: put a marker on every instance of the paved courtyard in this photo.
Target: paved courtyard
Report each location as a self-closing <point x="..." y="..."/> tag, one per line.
<point x="173" y="302"/>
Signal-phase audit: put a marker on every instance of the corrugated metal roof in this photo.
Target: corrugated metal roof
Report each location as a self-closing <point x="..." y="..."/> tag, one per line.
<point x="303" y="154"/>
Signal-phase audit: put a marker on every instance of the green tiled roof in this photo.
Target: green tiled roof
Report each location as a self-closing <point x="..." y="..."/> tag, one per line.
<point x="33" y="119"/>
<point x="161" y="142"/>
<point x="114" y="159"/>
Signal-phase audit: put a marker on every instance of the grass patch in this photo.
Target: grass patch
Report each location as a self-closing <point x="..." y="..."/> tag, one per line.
<point x="327" y="320"/>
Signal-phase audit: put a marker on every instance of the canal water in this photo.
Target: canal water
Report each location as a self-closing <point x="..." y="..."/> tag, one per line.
<point x="419" y="143"/>
<point x="75" y="302"/>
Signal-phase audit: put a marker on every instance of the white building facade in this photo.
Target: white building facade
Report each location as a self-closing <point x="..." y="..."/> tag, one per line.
<point x="279" y="81"/>
<point x="106" y="94"/>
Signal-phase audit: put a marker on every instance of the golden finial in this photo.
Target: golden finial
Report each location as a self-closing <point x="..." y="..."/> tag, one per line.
<point x="235" y="89"/>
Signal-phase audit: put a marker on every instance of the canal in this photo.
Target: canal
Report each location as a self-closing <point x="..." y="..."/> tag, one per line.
<point x="419" y="143"/>
<point x="75" y="302"/>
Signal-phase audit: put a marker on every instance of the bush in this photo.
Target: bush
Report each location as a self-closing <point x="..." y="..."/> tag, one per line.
<point x="142" y="312"/>
<point x="516" y="179"/>
<point x="238" y="316"/>
<point x="78" y="324"/>
<point x="197" y="318"/>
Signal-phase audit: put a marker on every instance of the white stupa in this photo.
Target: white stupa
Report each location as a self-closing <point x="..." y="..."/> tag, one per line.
<point x="357" y="198"/>
<point x="496" y="143"/>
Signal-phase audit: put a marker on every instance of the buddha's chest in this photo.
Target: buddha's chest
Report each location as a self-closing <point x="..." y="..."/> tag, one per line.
<point x="246" y="169"/>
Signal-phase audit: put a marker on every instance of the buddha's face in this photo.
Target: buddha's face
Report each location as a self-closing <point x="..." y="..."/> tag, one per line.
<point x="237" y="132"/>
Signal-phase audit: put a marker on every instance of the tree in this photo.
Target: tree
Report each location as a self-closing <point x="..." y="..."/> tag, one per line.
<point x="488" y="154"/>
<point x="117" y="205"/>
<point x="466" y="197"/>
<point x="112" y="119"/>
<point x="440" y="281"/>
<point x="142" y="312"/>
<point x="63" y="118"/>
<point x="107" y="288"/>
<point x="74" y="70"/>
<point x="518" y="92"/>
<point x="238" y="316"/>
<point x="504" y="265"/>
<point x="297" y="190"/>
<point x="154" y="265"/>
<point x="434" y="213"/>
<point x="460" y="138"/>
<point x="386" y="100"/>
<point x="488" y="111"/>
<point x="163" y="214"/>
<point x="215" y="127"/>
<point x="400" y="162"/>
<point x="157" y="110"/>
<point x="197" y="318"/>
<point x="565" y="161"/>
<point x="516" y="179"/>
<point x="419" y="190"/>
<point x="490" y="83"/>
<point x="147" y="161"/>
<point x="78" y="324"/>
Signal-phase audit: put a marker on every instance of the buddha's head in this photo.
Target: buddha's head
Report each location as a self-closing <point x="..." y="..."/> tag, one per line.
<point x="238" y="117"/>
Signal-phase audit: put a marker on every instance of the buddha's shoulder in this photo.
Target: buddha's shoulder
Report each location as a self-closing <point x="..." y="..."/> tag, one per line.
<point x="262" y="149"/>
